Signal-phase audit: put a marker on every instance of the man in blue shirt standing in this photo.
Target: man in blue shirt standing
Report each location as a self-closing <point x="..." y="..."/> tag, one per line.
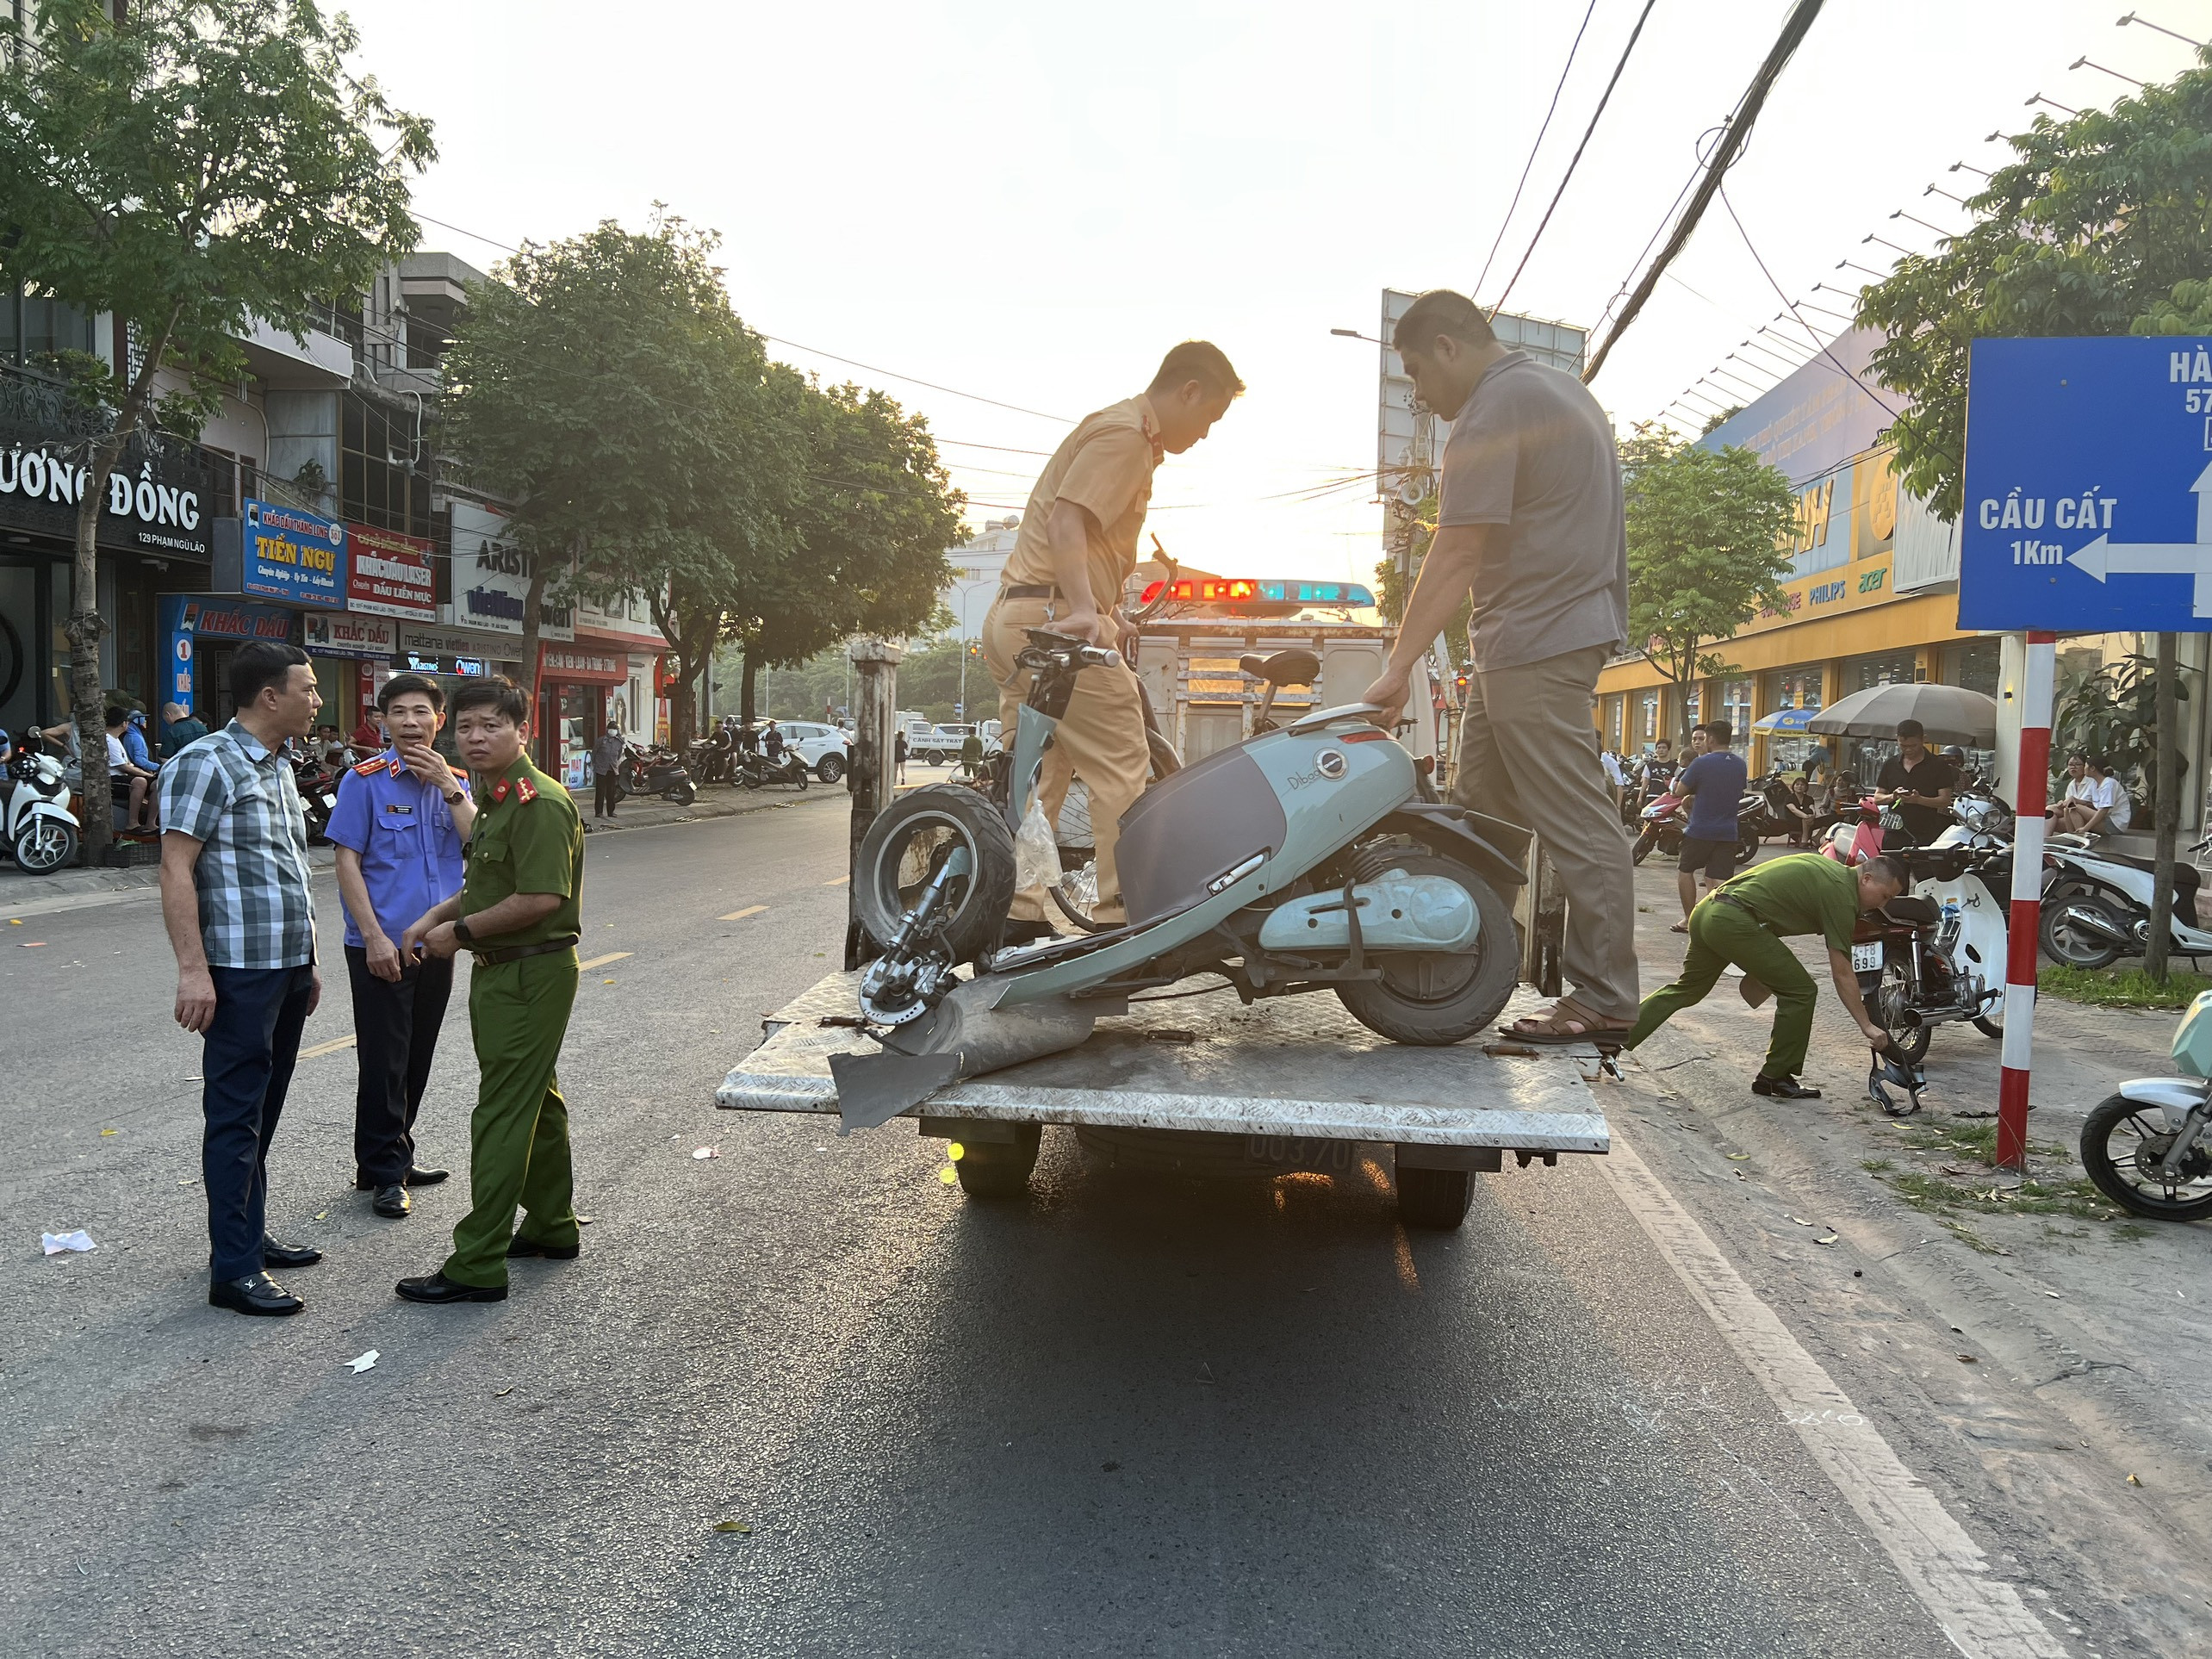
<point x="1714" y="782"/>
<point x="399" y="826"/>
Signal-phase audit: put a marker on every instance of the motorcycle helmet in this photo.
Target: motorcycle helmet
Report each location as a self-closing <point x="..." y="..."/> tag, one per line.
<point x="1888" y="1072"/>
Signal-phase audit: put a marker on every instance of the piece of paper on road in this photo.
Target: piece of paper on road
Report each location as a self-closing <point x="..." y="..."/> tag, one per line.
<point x="366" y="1362"/>
<point x="56" y="1243"/>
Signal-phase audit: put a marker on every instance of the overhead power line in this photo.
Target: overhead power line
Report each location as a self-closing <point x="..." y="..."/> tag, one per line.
<point x="1551" y="110"/>
<point x="1576" y="159"/>
<point x="1724" y="155"/>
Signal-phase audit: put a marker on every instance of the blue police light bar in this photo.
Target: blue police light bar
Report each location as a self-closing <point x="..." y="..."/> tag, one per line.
<point x="1316" y="593"/>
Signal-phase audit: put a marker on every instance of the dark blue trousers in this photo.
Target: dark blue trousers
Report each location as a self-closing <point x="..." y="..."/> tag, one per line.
<point x="247" y="1065"/>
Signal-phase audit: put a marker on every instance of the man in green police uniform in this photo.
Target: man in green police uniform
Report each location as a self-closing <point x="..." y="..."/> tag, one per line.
<point x="518" y="913"/>
<point x="1745" y="922"/>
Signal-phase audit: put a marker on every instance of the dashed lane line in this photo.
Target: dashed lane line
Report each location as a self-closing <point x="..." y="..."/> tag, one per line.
<point x="330" y="1047"/>
<point x="839" y="882"/>
<point x="601" y="962"/>
<point x="739" y="916"/>
<point x="1983" y="1615"/>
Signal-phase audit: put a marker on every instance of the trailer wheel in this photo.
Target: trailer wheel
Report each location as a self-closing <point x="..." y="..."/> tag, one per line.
<point x="994" y="1171"/>
<point x="1434" y="1198"/>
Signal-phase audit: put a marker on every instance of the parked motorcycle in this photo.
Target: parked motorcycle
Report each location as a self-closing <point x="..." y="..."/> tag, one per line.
<point x="1665" y="818"/>
<point x="317" y="781"/>
<point x="2097" y="904"/>
<point x="2148" y="1148"/>
<point x="1935" y="952"/>
<point x="756" y="771"/>
<point x="654" y="771"/>
<point x="40" y="829"/>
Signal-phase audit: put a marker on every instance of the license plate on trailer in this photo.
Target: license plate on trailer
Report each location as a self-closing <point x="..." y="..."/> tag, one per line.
<point x="1866" y="959"/>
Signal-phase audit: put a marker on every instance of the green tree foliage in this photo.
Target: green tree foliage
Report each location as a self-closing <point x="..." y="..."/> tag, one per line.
<point x="194" y="167"/>
<point x="604" y="385"/>
<point x="2112" y="711"/>
<point x="2101" y="225"/>
<point x="1704" y="529"/>
<point x="871" y="524"/>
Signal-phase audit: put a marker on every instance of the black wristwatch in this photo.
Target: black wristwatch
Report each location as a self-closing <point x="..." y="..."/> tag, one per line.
<point x="454" y="797"/>
<point x="461" y="930"/>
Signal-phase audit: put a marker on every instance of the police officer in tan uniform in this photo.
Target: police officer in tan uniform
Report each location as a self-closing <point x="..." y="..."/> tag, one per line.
<point x="1078" y="547"/>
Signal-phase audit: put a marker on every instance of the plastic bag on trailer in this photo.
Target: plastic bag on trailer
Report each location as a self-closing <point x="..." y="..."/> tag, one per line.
<point x="1036" y="855"/>
<point x="1081" y="887"/>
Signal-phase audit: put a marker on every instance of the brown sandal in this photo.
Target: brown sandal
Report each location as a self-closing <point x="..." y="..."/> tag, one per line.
<point x="1563" y="1023"/>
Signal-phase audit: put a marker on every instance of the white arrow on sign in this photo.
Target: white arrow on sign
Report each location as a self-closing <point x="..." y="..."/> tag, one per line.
<point x="2105" y="557"/>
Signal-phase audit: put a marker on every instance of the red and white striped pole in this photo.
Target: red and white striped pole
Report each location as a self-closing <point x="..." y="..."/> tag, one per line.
<point x="2031" y="775"/>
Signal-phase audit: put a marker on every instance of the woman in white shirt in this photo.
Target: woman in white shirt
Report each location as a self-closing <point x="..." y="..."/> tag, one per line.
<point x="2094" y="801"/>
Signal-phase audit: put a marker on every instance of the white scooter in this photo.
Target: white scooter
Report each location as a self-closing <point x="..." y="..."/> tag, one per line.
<point x="2097" y="907"/>
<point x="35" y="822"/>
<point x="2149" y="1147"/>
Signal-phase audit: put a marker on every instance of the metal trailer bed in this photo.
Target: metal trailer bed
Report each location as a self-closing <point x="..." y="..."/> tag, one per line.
<point x="1290" y="1082"/>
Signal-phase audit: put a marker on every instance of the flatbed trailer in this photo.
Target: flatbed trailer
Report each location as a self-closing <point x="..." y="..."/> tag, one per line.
<point x="1193" y="1080"/>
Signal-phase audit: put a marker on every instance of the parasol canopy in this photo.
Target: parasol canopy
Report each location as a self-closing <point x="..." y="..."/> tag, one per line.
<point x="1786" y="720"/>
<point x="1950" y="714"/>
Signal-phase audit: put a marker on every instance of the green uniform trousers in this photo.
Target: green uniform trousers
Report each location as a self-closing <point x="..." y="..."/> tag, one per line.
<point x="1721" y="933"/>
<point x="518" y="1135"/>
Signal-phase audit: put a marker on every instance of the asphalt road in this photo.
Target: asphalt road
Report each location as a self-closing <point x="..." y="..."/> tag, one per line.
<point x="1137" y="1415"/>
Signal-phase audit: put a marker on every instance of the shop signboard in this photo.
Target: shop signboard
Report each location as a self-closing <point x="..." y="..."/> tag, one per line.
<point x="491" y="579"/>
<point x="293" y="554"/>
<point x="189" y="620"/>
<point x="2088" y="486"/>
<point x="583" y="662"/>
<point x="344" y="633"/>
<point x="158" y="504"/>
<point x="390" y="575"/>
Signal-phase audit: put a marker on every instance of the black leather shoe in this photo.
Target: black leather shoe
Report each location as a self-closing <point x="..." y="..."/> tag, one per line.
<point x="520" y="1246"/>
<point x="414" y="1178"/>
<point x="436" y="1287"/>
<point x="283" y="1255"/>
<point x="1782" y="1088"/>
<point x="392" y="1202"/>
<point x="257" y="1292"/>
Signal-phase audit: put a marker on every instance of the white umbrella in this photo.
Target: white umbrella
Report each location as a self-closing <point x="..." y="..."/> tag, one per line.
<point x="1949" y="714"/>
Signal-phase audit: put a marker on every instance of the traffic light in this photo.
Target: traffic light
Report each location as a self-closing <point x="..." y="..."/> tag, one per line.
<point x="975" y="648"/>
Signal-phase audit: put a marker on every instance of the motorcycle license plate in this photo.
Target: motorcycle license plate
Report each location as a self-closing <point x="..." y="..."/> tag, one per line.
<point x="1866" y="959"/>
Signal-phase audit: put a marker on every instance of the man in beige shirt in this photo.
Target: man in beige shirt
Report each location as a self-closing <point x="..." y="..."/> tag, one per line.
<point x="1078" y="547"/>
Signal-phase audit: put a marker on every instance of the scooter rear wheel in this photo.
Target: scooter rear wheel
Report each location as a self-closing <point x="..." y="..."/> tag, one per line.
<point x="908" y="843"/>
<point x="1437" y="997"/>
<point x="2123" y="1143"/>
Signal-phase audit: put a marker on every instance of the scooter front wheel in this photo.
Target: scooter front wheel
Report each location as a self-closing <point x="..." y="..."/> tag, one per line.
<point x="2123" y="1148"/>
<point x="1437" y="997"/>
<point x="908" y="843"/>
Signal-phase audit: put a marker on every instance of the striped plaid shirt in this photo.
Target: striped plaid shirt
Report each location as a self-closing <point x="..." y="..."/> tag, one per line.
<point x="237" y="799"/>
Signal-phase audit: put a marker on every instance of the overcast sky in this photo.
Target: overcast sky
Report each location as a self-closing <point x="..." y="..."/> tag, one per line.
<point x="1030" y="202"/>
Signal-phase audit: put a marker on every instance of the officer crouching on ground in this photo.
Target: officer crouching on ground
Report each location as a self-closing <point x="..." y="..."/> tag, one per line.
<point x="1745" y="923"/>
<point x="519" y="914"/>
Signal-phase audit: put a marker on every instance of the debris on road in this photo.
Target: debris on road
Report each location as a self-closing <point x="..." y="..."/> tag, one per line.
<point x="733" y="1526"/>
<point x="364" y="1362"/>
<point x="1832" y="1238"/>
<point x="706" y="1151"/>
<point x="56" y="1243"/>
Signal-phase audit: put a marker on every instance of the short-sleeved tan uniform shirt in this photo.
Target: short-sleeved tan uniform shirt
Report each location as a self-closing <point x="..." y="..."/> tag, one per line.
<point x="1105" y="466"/>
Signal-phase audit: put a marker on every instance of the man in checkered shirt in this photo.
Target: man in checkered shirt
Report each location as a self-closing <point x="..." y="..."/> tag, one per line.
<point x="234" y="897"/>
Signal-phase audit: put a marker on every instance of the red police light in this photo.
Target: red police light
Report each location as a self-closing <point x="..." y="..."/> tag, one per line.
<point x="1152" y="592"/>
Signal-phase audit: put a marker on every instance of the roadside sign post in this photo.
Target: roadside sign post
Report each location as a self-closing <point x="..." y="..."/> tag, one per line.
<point x="2088" y="508"/>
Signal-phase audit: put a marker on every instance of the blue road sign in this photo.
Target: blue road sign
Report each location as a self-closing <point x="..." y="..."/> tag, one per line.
<point x="2088" y="486"/>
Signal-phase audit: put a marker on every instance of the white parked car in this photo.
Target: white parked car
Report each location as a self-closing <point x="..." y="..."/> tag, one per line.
<point x="826" y="749"/>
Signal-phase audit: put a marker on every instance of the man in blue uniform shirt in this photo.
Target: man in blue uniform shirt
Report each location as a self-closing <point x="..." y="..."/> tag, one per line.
<point x="399" y="826"/>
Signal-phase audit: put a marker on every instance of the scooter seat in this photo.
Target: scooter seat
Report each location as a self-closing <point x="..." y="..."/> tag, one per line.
<point x="1912" y="910"/>
<point x="1291" y="667"/>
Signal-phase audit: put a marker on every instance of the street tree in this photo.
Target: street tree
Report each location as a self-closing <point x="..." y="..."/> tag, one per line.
<point x="189" y="167"/>
<point x="604" y="386"/>
<point x="2100" y="225"/>
<point x="1705" y="550"/>
<point x="871" y="526"/>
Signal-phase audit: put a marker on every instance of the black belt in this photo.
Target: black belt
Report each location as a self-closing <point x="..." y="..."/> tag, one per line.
<point x="1722" y="896"/>
<point x="1030" y="590"/>
<point x="516" y="952"/>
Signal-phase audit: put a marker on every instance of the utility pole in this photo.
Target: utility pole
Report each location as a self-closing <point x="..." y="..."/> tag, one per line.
<point x="2165" y="815"/>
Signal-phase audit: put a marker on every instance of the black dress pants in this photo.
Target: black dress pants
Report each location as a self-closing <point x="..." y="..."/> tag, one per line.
<point x="606" y="793"/>
<point x="396" y="1031"/>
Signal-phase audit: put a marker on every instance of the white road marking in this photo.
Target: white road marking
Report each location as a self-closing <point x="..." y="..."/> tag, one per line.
<point x="1983" y="1616"/>
<point x="601" y="962"/>
<point x="739" y="916"/>
<point x="330" y="1047"/>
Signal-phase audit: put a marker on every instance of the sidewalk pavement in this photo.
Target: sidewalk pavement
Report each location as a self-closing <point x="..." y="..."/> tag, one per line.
<point x="2100" y="1316"/>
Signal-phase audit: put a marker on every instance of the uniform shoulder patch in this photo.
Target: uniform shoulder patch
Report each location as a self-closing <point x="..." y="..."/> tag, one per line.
<point x="524" y="790"/>
<point x="369" y="769"/>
